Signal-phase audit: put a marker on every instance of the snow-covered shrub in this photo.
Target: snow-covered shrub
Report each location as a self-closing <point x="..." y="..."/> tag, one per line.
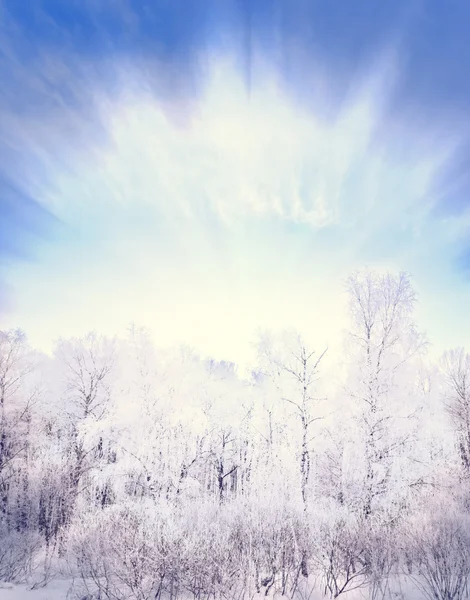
<point x="439" y="555"/>
<point x="17" y="554"/>
<point x="339" y="553"/>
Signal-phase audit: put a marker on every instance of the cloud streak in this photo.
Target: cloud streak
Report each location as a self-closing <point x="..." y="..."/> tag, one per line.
<point x="190" y="203"/>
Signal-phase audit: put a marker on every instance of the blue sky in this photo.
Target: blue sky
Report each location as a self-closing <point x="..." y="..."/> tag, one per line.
<point x="207" y="168"/>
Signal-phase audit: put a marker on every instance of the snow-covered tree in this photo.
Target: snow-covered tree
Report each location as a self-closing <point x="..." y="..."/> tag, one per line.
<point x="293" y="368"/>
<point x="383" y="342"/>
<point x="456" y="369"/>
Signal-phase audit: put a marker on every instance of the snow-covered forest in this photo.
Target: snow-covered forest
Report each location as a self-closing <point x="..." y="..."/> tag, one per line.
<point x="135" y="472"/>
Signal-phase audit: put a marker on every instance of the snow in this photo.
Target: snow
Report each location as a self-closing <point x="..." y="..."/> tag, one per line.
<point x="56" y="590"/>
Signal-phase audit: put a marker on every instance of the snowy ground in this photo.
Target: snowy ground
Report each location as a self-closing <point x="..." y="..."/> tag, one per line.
<point x="56" y="590"/>
<point x="61" y="589"/>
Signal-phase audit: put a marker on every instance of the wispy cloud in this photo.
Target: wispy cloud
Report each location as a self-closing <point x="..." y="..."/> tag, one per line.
<point x="195" y="205"/>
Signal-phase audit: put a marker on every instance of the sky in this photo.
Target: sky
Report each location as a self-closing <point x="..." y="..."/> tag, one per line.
<point x="207" y="169"/>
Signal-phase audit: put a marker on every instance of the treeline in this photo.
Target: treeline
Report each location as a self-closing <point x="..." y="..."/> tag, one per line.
<point x="145" y="473"/>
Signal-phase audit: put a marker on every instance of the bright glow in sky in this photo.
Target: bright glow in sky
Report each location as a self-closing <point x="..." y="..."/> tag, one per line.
<point x="207" y="214"/>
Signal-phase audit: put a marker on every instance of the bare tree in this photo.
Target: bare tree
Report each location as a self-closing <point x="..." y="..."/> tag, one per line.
<point x="87" y="365"/>
<point x="19" y="393"/>
<point x="223" y="455"/>
<point x="383" y="340"/>
<point x="456" y="368"/>
<point x="17" y="396"/>
<point x="15" y="402"/>
<point x="294" y="370"/>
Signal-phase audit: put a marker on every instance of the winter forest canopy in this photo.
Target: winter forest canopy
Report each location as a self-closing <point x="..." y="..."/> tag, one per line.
<point x="142" y="473"/>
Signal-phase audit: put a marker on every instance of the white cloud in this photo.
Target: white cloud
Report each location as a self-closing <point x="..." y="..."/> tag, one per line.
<point x="248" y="212"/>
<point x="238" y="155"/>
